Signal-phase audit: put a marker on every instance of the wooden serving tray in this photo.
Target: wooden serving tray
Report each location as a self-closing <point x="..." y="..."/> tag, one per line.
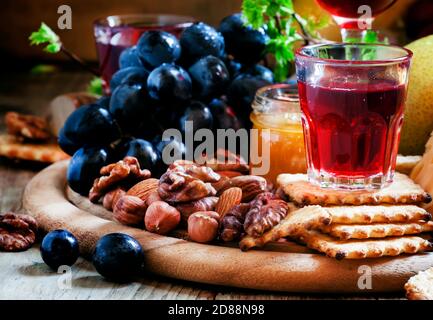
<point x="288" y="267"/>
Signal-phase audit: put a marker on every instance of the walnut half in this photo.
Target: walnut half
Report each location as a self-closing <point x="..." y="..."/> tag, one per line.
<point x="17" y="231"/>
<point x="265" y="212"/>
<point x="124" y="173"/>
<point x="185" y="181"/>
<point x="27" y="126"/>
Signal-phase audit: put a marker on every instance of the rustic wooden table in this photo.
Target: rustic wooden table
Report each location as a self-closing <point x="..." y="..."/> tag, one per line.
<point x="24" y="275"/>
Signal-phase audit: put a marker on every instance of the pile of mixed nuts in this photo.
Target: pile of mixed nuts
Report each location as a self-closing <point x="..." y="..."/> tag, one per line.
<point x="211" y="200"/>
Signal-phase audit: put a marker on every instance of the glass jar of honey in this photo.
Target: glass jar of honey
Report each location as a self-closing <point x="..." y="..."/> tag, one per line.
<point x="276" y="108"/>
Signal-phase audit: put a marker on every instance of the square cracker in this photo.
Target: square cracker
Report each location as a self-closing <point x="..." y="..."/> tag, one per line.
<point x="11" y="147"/>
<point x="310" y="217"/>
<point x="377" y="214"/>
<point x="405" y="164"/>
<point x="377" y="230"/>
<point x="420" y="286"/>
<point x="361" y="249"/>
<point x="402" y="191"/>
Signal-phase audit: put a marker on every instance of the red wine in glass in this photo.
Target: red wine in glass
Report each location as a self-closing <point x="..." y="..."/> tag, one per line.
<point x="350" y="15"/>
<point x="115" y="33"/>
<point x="354" y="128"/>
<point x="352" y="99"/>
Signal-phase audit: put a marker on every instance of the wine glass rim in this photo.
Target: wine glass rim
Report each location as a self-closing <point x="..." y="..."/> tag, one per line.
<point x="405" y="56"/>
<point x="184" y="21"/>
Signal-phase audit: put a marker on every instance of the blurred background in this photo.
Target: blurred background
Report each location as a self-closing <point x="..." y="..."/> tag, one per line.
<point x="405" y="21"/>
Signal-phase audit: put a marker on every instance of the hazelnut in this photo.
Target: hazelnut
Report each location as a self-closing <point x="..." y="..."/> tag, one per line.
<point x="111" y="198"/>
<point x="161" y="218"/>
<point x="129" y="210"/>
<point x="203" y="226"/>
<point x="153" y="197"/>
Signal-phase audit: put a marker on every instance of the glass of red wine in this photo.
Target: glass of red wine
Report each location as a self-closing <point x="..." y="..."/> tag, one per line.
<point x="352" y="98"/>
<point x="354" y="17"/>
<point x="115" y="33"/>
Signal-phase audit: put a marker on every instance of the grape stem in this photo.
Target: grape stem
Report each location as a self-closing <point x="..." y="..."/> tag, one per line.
<point x="278" y="23"/>
<point x="79" y="61"/>
<point x="308" y="38"/>
<point x="305" y="34"/>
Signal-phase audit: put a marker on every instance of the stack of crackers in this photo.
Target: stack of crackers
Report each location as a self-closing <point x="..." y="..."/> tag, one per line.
<point x="353" y="224"/>
<point x="28" y="138"/>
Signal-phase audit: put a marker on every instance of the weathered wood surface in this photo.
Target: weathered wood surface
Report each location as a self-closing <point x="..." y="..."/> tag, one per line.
<point x="45" y="199"/>
<point x="24" y="276"/>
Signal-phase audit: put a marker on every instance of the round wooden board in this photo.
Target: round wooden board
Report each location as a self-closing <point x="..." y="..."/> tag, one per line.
<point x="45" y="198"/>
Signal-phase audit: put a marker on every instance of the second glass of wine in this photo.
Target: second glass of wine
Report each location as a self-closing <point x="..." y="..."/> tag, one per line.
<point x="114" y="34"/>
<point x="354" y="17"/>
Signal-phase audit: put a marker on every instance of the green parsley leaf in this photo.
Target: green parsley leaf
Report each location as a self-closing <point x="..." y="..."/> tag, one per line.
<point x="43" y="69"/>
<point x="46" y="35"/>
<point x="286" y="6"/>
<point x="370" y="36"/>
<point x="282" y="26"/>
<point x="314" y="24"/>
<point x="95" y="86"/>
<point x="352" y="40"/>
<point x="253" y="11"/>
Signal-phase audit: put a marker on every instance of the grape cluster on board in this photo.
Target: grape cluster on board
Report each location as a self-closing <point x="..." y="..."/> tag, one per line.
<point x="207" y="76"/>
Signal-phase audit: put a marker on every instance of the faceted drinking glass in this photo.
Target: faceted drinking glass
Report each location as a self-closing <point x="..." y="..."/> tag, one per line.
<point x="352" y="99"/>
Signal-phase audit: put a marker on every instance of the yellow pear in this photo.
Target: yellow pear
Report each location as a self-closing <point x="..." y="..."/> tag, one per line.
<point x="418" y="115"/>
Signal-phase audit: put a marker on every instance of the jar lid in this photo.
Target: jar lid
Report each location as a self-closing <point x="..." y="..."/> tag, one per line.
<point x="277" y="98"/>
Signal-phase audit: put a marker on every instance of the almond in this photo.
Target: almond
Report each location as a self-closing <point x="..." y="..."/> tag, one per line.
<point x="228" y="199"/>
<point x="221" y="183"/>
<point x="143" y="189"/>
<point x="251" y="186"/>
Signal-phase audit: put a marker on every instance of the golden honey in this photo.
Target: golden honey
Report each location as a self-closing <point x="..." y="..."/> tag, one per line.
<point x="277" y="108"/>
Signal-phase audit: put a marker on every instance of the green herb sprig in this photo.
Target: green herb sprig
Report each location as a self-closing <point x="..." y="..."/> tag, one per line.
<point x="95" y="86"/>
<point x="46" y="36"/>
<point x="282" y="24"/>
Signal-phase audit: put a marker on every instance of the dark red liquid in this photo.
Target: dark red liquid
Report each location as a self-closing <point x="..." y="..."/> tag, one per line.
<point x="352" y="129"/>
<point x="349" y="9"/>
<point x="123" y="37"/>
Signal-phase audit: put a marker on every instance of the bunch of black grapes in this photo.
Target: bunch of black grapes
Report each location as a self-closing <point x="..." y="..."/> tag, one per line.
<point x="207" y="76"/>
